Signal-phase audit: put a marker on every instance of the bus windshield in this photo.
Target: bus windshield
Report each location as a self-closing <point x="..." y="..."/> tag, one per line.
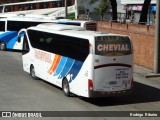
<point x="112" y="45"/>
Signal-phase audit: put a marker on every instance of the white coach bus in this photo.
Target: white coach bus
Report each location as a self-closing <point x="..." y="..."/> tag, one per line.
<point x="31" y="6"/>
<point x="86" y="24"/>
<point x="85" y="63"/>
<point x="10" y="26"/>
<point x="45" y="7"/>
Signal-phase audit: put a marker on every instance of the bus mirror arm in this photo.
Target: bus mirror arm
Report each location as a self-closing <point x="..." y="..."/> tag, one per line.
<point x="22" y="31"/>
<point x="19" y="38"/>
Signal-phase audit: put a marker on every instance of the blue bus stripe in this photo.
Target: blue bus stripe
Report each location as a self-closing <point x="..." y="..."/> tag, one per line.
<point x="60" y="66"/>
<point x="12" y="42"/>
<point x="69" y="23"/>
<point x="8" y="36"/>
<point x="75" y="70"/>
<point x="4" y="34"/>
<point x="66" y="68"/>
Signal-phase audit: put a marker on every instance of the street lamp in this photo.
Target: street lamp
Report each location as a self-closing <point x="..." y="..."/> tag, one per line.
<point x="157" y="40"/>
<point x="66" y="8"/>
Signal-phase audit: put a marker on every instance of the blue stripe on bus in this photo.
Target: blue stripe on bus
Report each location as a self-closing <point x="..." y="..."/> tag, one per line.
<point x="60" y="66"/>
<point x="69" y="23"/>
<point x="8" y="37"/>
<point x="12" y="42"/>
<point x="75" y="69"/>
<point x="4" y="34"/>
<point x="66" y="68"/>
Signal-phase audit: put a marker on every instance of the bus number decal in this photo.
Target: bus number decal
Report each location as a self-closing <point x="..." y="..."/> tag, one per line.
<point x="122" y="73"/>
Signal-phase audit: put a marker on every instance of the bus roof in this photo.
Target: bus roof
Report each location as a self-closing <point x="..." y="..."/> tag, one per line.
<point x="59" y="27"/>
<point x="69" y="30"/>
<point x="30" y="2"/>
<point x="69" y="21"/>
<point x="5" y="15"/>
<point x="35" y="18"/>
<point x="10" y="15"/>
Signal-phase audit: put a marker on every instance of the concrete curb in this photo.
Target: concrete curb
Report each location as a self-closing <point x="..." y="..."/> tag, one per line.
<point x="152" y="75"/>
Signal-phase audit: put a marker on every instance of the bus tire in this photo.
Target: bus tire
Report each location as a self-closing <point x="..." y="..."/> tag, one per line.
<point x="32" y="73"/>
<point x="65" y="87"/>
<point x="3" y="46"/>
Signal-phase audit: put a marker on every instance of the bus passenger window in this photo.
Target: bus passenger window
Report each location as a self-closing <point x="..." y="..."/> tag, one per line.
<point x="20" y="7"/>
<point x="41" y="6"/>
<point x="15" y="8"/>
<point x="28" y="7"/>
<point x="7" y="9"/>
<point x="44" y="5"/>
<point x="37" y="5"/>
<point x="50" y="5"/>
<point x="2" y="25"/>
<point x="1" y="9"/>
<point x="33" y="6"/>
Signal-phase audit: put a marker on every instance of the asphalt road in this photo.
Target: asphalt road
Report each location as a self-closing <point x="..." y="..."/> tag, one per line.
<point x="19" y="92"/>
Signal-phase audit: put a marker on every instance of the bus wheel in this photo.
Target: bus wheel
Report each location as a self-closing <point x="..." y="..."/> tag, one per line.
<point x="32" y="73"/>
<point x="65" y="87"/>
<point x="2" y="46"/>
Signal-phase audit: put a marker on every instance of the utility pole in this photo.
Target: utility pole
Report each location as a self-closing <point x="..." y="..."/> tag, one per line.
<point x="66" y="11"/>
<point x="157" y="40"/>
<point x="76" y="12"/>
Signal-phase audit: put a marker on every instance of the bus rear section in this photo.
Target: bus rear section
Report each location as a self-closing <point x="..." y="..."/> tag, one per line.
<point x="113" y="67"/>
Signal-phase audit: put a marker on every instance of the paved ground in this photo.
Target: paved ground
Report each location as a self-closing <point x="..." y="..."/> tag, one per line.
<point x="147" y="76"/>
<point x="19" y="92"/>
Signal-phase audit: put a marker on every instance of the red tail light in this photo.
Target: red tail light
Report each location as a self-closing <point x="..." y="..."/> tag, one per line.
<point x="90" y="85"/>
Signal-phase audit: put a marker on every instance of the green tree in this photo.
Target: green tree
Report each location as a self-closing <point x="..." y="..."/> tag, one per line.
<point x="102" y="8"/>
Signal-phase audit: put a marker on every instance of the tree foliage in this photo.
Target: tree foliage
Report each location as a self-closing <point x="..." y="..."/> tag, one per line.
<point x="102" y="8"/>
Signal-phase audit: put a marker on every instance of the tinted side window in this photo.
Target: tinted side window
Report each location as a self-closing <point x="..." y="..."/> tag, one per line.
<point x="18" y="25"/>
<point x="2" y="25"/>
<point x="72" y="47"/>
<point x="25" y="45"/>
<point x="1" y="9"/>
<point x="13" y="26"/>
<point x="57" y="4"/>
<point x="7" y="9"/>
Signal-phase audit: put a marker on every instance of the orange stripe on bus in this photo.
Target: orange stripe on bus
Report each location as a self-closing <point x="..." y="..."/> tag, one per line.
<point x="56" y="64"/>
<point x="53" y="63"/>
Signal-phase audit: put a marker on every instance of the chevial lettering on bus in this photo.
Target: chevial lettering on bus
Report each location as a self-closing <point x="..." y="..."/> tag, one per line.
<point x="112" y="47"/>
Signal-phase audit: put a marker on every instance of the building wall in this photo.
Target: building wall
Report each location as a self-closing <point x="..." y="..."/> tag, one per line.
<point x="136" y="1"/>
<point x="143" y="38"/>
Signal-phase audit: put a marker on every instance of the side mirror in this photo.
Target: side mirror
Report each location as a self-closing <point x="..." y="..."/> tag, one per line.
<point x="19" y="38"/>
<point x="21" y="34"/>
